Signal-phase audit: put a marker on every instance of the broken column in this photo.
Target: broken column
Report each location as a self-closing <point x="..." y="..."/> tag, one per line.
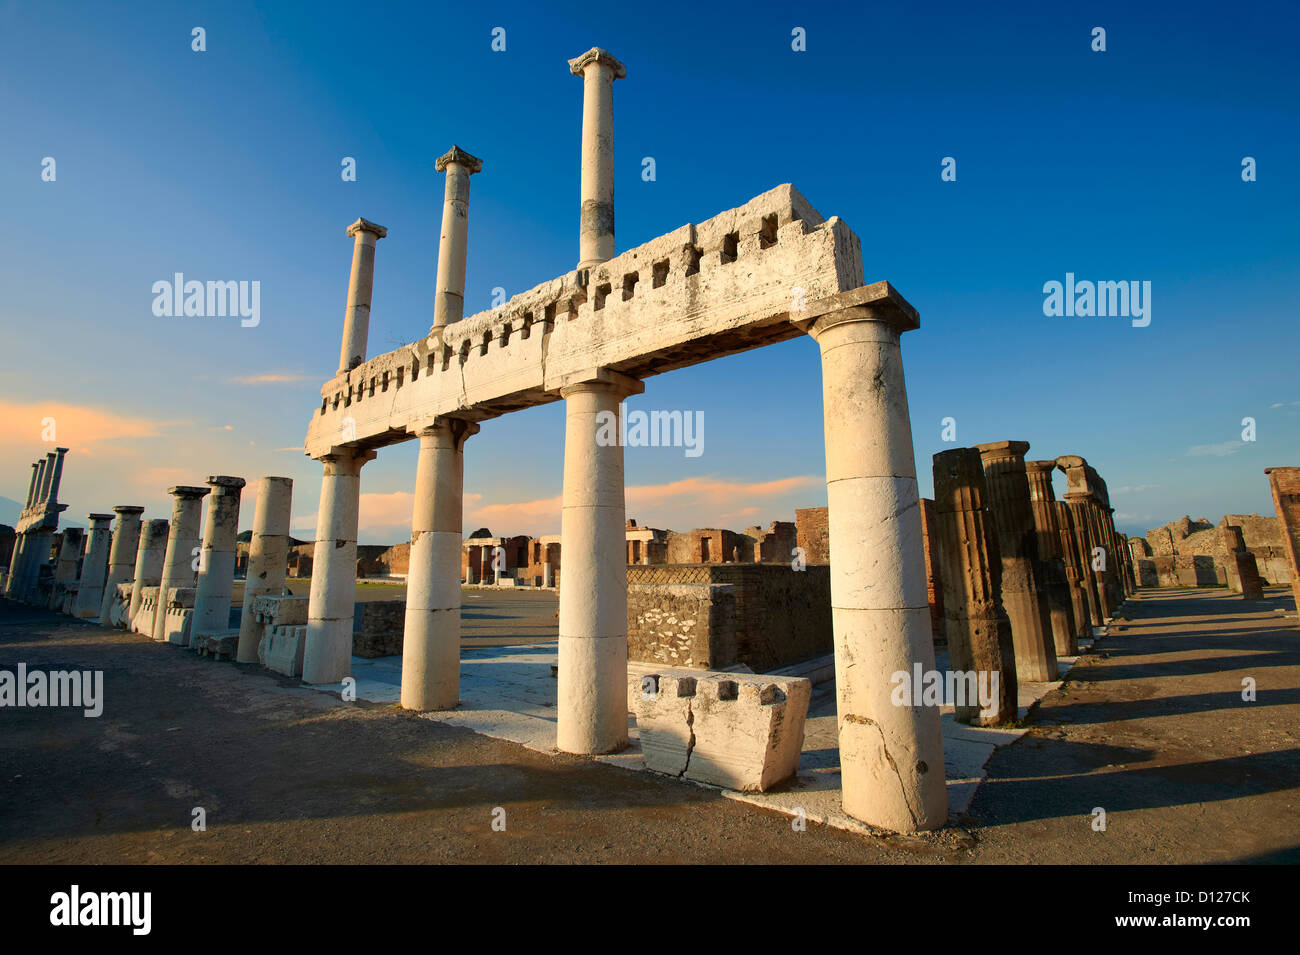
<point x="977" y="627"/>
<point x="182" y="554"/>
<point x="596" y="226"/>
<point x="592" y="676"/>
<point x="891" y="757"/>
<point x="90" y="588"/>
<point x="327" y="657"/>
<point x="216" y="583"/>
<point x="431" y="635"/>
<point x="268" y="555"/>
<point x="1074" y="569"/>
<point x="1079" y="497"/>
<point x="148" y="564"/>
<point x="356" y="319"/>
<point x="1051" y="557"/>
<point x="453" y="244"/>
<point x="1013" y="517"/>
<point x="121" y="557"/>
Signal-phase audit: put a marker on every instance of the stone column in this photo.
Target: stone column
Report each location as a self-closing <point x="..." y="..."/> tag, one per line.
<point x="453" y="244"/>
<point x="32" y="484"/>
<point x="182" y="544"/>
<point x="47" y="474"/>
<point x="148" y="564"/>
<point x="891" y="757"/>
<point x="546" y="565"/>
<point x="216" y="583"/>
<point x="1013" y="516"/>
<point x="1074" y="573"/>
<point x="1051" y="557"/>
<point x="1285" y="485"/>
<point x="65" y="571"/>
<point x="268" y="558"/>
<point x="121" y="558"/>
<point x="327" y="657"/>
<point x="16" y="560"/>
<point x="90" y="590"/>
<point x="356" y="319"/>
<point x="592" y="677"/>
<point x="598" y="70"/>
<point x="57" y="476"/>
<point x="977" y="627"/>
<point x="36" y="554"/>
<point x="431" y="636"/>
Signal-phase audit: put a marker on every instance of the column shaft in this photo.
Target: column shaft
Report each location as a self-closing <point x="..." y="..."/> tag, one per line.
<point x="148" y="565"/>
<point x="215" y="587"/>
<point x="94" y="566"/>
<point x="121" y="558"/>
<point x="182" y="548"/>
<point x="268" y="556"/>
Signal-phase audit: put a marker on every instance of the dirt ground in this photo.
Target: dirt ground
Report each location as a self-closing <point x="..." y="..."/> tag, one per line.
<point x="1151" y="728"/>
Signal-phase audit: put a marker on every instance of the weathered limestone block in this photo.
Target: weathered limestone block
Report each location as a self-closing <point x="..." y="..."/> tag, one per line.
<point x="142" y="621"/>
<point x="979" y="633"/>
<point x="737" y="731"/>
<point x="178" y="616"/>
<point x="281" y="649"/>
<point x="117" y="603"/>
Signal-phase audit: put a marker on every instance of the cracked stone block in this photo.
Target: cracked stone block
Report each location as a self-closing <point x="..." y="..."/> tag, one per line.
<point x="732" y="730"/>
<point x="217" y="644"/>
<point x="282" y="647"/>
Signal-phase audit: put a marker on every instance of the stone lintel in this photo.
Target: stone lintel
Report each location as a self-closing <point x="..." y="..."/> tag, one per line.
<point x="879" y="301"/>
<point x="596" y="55"/>
<point x="457" y="155"/>
<point x="365" y="225"/>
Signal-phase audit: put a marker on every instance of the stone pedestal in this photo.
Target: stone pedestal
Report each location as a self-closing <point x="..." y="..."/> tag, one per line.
<point x="1027" y="608"/>
<point x="148" y="564"/>
<point x="121" y="558"/>
<point x="891" y="757"/>
<point x="431" y="631"/>
<point x="356" y="318"/>
<point x="978" y="631"/>
<point x="268" y="554"/>
<point x="596" y="229"/>
<point x="216" y="582"/>
<point x="90" y="588"/>
<point x="1051" y="557"/>
<point x="592" y="677"/>
<point x="182" y="554"/>
<point x="327" y="657"/>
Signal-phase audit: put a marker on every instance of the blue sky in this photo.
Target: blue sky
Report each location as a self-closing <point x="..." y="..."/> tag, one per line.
<point x="224" y="164"/>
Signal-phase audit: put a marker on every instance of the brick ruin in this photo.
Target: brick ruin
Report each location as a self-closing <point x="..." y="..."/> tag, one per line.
<point x="1196" y="553"/>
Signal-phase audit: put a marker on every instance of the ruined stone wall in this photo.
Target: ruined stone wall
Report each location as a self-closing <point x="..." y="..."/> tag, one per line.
<point x="762" y="615"/>
<point x="708" y="545"/>
<point x="1186" y="538"/>
<point x="812" y="533"/>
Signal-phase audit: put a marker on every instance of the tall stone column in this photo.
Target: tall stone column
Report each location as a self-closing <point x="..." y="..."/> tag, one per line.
<point x="431" y="637"/>
<point x="268" y="557"/>
<point x="32" y="484"/>
<point x="598" y="70"/>
<point x="90" y="590"/>
<point x="36" y="554"/>
<point x="65" y="571"/>
<point x="148" y="564"/>
<point x="182" y="544"/>
<point x="57" y="475"/>
<point x="1013" y="516"/>
<point x="16" y="560"/>
<point x="891" y="757"/>
<point x="47" y="475"/>
<point x="1285" y="485"/>
<point x="356" y="319"/>
<point x="453" y="244"/>
<point x="216" y="584"/>
<point x="327" y="657"/>
<point x="1081" y="510"/>
<point x="1051" y="557"/>
<point x="121" y="558"/>
<point x="592" y="677"/>
<point x="977" y="627"/>
<point x="1074" y="572"/>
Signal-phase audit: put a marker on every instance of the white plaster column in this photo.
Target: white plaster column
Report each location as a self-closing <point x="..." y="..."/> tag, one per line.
<point x="453" y="244"/>
<point x="121" y="557"/>
<point x="328" y="654"/>
<point x="148" y="564"/>
<point x="90" y="589"/>
<point x="891" y="757"/>
<point x="216" y="584"/>
<point x="596" y="225"/>
<point x="268" y="557"/>
<point x="356" y="319"/>
<point x="431" y="638"/>
<point x="592" y="677"/>
<point x="182" y="543"/>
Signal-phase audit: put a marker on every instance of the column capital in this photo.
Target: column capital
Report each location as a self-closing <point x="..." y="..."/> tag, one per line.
<point x="1002" y="450"/>
<point x="188" y="490"/>
<point x="472" y="164"/>
<point x="127" y="510"/>
<point x="878" y="302"/>
<point x="346" y="460"/>
<point x="365" y="225"/>
<point x="600" y="379"/>
<point x="225" y="481"/>
<point x="1041" y="466"/>
<point x="99" y="518"/>
<point x="579" y="64"/>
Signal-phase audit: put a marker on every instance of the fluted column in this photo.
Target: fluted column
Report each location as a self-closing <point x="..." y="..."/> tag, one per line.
<point x="268" y="555"/>
<point x="214" y="591"/>
<point x="356" y="318"/>
<point x="121" y="558"/>
<point x="1008" y="503"/>
<point x="592" y="677"/>
<point x="596" y="225"/>
<point x="182" y="548"/>
<point x="431" y="639"/>
<point x="90" y="590"/>
<point x="327" y="657"/>
<point x="1051" y="557"/>
<point x="148" y="564"/>
<point x="1075" y="575"/>
<point x="978" y="631"/>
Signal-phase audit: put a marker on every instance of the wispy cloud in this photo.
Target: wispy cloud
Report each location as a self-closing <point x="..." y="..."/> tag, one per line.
<point x="269" y="378"/>
<point x="1215" y="450"/>
<point x="1133" y="489"/>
